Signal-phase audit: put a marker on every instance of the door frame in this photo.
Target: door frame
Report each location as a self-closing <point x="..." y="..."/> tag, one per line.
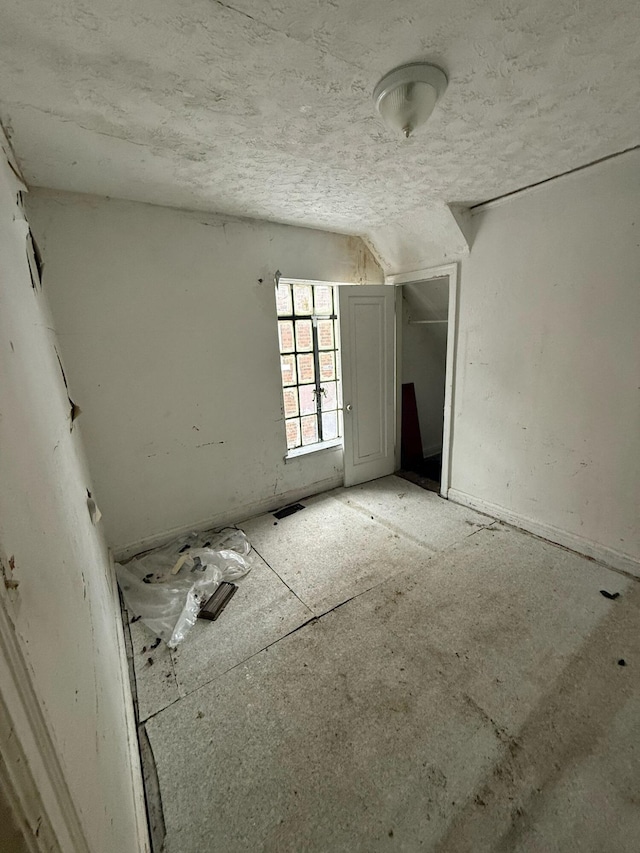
<point x="418" y="276"/>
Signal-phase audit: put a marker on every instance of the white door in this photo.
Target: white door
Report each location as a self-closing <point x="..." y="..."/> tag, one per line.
<point x="367" y="331"/>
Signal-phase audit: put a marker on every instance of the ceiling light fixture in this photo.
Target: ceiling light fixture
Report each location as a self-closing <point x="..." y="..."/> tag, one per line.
<point x="406" y="96"/>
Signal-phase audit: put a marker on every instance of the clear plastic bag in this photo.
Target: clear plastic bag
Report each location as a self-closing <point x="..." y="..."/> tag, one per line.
<point x="167" y="587"/>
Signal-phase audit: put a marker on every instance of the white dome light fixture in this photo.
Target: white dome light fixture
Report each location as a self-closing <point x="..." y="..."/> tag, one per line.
<point x="406" y="96"/>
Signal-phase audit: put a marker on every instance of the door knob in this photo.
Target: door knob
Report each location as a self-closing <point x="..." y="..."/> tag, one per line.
<point x="348" y="407"/>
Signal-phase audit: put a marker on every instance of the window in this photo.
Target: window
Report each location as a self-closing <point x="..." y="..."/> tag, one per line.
<point x="310" y="364"/>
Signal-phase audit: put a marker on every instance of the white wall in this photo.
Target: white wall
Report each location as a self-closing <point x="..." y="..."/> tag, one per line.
<point x="169" y="339"/>
<point x="61" y="677"/>
<point x="547" y="399"/>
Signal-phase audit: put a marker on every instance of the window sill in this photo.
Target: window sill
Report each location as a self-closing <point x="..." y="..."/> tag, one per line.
<point x="313" y="448"/>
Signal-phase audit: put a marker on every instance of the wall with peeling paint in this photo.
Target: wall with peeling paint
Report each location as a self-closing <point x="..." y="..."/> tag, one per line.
<point x="547" y="397"/>
<point x="168" y="330"/>
<point x="64" y="685"/>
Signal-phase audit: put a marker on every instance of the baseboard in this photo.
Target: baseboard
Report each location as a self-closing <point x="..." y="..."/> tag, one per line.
<point x="142" y="826"/>
<point x="233" y="516"/>
<point x="607" y="556"/>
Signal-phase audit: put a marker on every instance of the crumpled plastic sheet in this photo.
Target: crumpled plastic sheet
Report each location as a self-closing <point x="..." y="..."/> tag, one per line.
<point x="167" y="587"/>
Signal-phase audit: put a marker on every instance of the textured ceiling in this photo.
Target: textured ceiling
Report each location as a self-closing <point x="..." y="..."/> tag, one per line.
<point x="263" y="108"/>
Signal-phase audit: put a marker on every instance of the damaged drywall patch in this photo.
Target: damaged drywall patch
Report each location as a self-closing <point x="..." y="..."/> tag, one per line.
<point x="6" y="143"/>
<point x="10" y="582"/>
<point x="383" y="262"/>
<point x="94" y="511"/>
<point x="64" y="377"/>
<point x="36" y="264"/>
<point x="366" y="268"/>
<point x="34" y="255"/>
<point x="75" y="411"/>
<point x="31" y="251"/>
<point x="14" y="170"/>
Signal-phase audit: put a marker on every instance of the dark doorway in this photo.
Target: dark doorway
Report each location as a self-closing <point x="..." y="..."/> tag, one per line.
<point x="424" y="352"/>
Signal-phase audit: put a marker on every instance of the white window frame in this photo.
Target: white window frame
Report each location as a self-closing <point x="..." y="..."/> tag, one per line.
<point x="335" y="443"/>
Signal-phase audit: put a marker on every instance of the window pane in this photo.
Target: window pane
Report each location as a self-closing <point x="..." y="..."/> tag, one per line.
<point x="303" y="298"/>
<point x="290" y="403"/>
<point x="307" y="399"/>
<point x="323" y="298"/>
<point x="298" y="358"/>
<point x="329" y="397"/>
<point x="288" y="367"/>
<point x="293" y="433"/>
<point x="284" y="305"/>
<point x="285" y="335"/>
<point x="327" y="366"/>
<point x="329" y="425"/>
<point x="304" y="338"/>
<point x="309" y="430"/>
<point x="306" y="370"/>
<point x="325" y="334"/>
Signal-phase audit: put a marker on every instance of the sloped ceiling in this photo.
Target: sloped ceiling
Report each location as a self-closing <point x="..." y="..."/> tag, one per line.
<point x="263" y="108"/>
<point x="427" y="300"/>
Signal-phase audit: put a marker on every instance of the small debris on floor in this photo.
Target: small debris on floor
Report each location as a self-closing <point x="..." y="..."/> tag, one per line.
<point x="214" y="606"/>
<point x="622" y="662"/>
<point x="165" y="587"/>
<point x="143" y="650"/>
<point x="199" y="715"/>
<point x="135" y="619"/>
<point x="288" y="510"/>
<point x="611" y="595"/>
<point x="149" y="661"/>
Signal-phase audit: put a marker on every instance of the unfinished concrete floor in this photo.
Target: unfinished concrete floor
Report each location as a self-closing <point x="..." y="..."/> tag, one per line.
<point x="399" y="673"/>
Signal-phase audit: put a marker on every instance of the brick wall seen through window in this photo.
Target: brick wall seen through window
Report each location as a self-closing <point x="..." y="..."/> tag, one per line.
<point x="309" y="360"/>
